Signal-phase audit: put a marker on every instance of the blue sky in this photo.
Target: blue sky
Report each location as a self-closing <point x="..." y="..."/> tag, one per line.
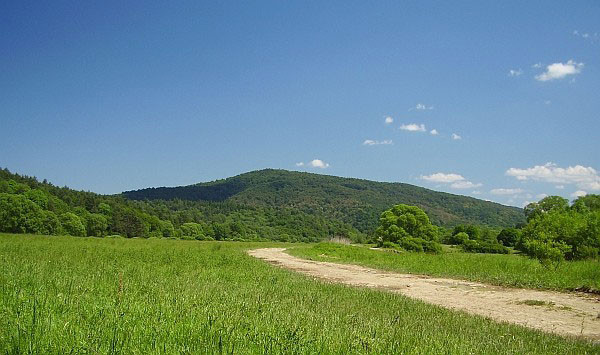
<point x="123" y="95"/>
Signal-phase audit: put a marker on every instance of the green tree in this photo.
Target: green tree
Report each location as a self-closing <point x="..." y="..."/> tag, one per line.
<point x="509" y="237"/>
<point x="97" y="225"/>
<point x="401" y="222"/>
<point x="72" y="224"/>
<point x="545" y="205"/>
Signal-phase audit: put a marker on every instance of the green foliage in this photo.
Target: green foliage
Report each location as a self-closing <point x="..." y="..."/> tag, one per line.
<point x="588" y="203"/>
<point x="72" y="224"/>
<point x="475" y="246"/>
<point x="420" y="245"/>
<point x="511" y="270"/>
<point x="193" y="231"/>
<point x="545" y="205"/>
<point x="509" y="237"/>
<point x="547" y="252"/>
<point x="579" y="231"/>
<point x="355" y="202"/>
<point x="409" y="227"/>
<point x="458" y="238"/>
<point x="97" y="225"/>
<point x="226" y="220"/>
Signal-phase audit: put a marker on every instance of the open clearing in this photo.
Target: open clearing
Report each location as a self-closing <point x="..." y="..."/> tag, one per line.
<point x="561" y="313"/>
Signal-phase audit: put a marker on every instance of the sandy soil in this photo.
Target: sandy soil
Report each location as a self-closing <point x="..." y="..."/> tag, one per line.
<point x="571" y="314"/>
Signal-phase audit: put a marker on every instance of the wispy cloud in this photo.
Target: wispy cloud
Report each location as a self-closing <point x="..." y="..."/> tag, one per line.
<point x="315" y="163"/>
<point x="455" y="181"/>
<point x="537" y="65"/>
<point x="586" y="35"/>
<point x="515" y="72"/>
<point x="389" y="120"/>
<point x="456" y="136"/>
<point x="374" y="142"/>
<point x="421" y="107"/>
<point x="413" y="127"/>
<point x="578" y="193"/>
<point x="560" y="70"/>
<point x="506" y="191"/>
<point x="434" y="132"/>
<point x="578" y="175"/>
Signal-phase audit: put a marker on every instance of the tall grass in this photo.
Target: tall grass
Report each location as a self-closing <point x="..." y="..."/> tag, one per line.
<point x="118" y="296"/>
<point x="507" y="270"/>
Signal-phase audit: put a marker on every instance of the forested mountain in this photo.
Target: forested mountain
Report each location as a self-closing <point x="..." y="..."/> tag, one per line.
<point x="260" y="205"/>
<point x="30" y="206"/>
<point x="353" y="201"/>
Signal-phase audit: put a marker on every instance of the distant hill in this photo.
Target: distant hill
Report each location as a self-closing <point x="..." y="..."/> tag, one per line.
<point x="353" y="201"/>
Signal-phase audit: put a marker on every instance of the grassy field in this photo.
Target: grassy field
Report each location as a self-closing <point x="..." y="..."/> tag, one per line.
<point x="88" y="295"/>
<point x="507" y="270"/>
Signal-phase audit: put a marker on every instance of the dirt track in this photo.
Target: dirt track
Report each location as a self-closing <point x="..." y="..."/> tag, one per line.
<point x="562" y="313"/>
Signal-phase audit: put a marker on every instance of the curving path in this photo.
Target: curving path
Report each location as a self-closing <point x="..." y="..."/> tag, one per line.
<point x="562" y="313"/>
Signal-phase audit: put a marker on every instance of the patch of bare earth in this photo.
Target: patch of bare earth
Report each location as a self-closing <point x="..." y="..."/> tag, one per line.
<point x="561" y="313"/>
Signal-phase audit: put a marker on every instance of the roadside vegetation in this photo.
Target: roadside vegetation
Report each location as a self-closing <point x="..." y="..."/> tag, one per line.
<point x="117" y="295"/>
<point x="498" y="269"/>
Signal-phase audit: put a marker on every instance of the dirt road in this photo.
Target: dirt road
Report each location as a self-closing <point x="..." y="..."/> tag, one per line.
<point x="562" y="313"/>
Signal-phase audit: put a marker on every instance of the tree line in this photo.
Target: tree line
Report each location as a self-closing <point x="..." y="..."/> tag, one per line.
<point x="30" y="206"/>
<point x="555" y="231"/>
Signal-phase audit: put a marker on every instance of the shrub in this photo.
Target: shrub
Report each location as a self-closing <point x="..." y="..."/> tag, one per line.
<point x="474" y="246"/>
<point x="548" y="253"/>
<point x="459" y="238"/>
<point x="409" y="227"/>
<point x="509" y="237"/>
<point x="72" y="224"/>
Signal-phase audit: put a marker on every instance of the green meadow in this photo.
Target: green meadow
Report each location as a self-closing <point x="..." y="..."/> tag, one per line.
<point x="120" y="296"/>
<point x="499" y="269"/>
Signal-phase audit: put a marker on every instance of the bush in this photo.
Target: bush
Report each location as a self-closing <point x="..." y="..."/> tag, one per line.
<point x="72" y="224"/>
<point x="509" y="237"/>
<point x="420" y="245"/>
<point x="96" y="225"/>
<point x="474" y="246"/>
<point x="408" y="227"/>
<point x="459" y="238"/>
<point x="548" y="253"/>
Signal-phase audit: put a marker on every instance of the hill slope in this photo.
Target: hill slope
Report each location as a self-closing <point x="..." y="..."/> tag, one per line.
<point x="354" y="201"/>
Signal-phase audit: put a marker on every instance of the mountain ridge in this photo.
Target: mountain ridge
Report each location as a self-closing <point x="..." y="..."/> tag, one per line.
<point x="351" y="200"/>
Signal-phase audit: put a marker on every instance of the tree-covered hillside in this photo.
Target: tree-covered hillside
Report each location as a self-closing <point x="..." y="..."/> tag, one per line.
<point x="30" y="206"/>
<point x="353" y="201"/>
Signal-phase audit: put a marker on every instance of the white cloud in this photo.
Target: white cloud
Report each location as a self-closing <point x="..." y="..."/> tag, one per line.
<point x="413" y="127"/>
<point x="506" y="191"/>
<point x="560" y="187"/>
<point x="389" y="120"/>
<point x="537" y="65"/>
<point x="541" y="196"/>
<point x="585" y="35"/>
<point x="476" y="192"/>
<point x="580" y="176"/>
<point x="515" y="72"/>
<point x="434" y="132"/>
<point x="300" y="164"/>
<point x="578" y="193"/>
<point x="443" y="178"/>
<point x="560" y="70"/>
<point x="456" y="181"/>
<point x="421" y="107"/>
<point x="318" y="163"/>
<point x="464" y="185"/>
<point x="373" y="142"/>
<point x="456" y="136"/>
